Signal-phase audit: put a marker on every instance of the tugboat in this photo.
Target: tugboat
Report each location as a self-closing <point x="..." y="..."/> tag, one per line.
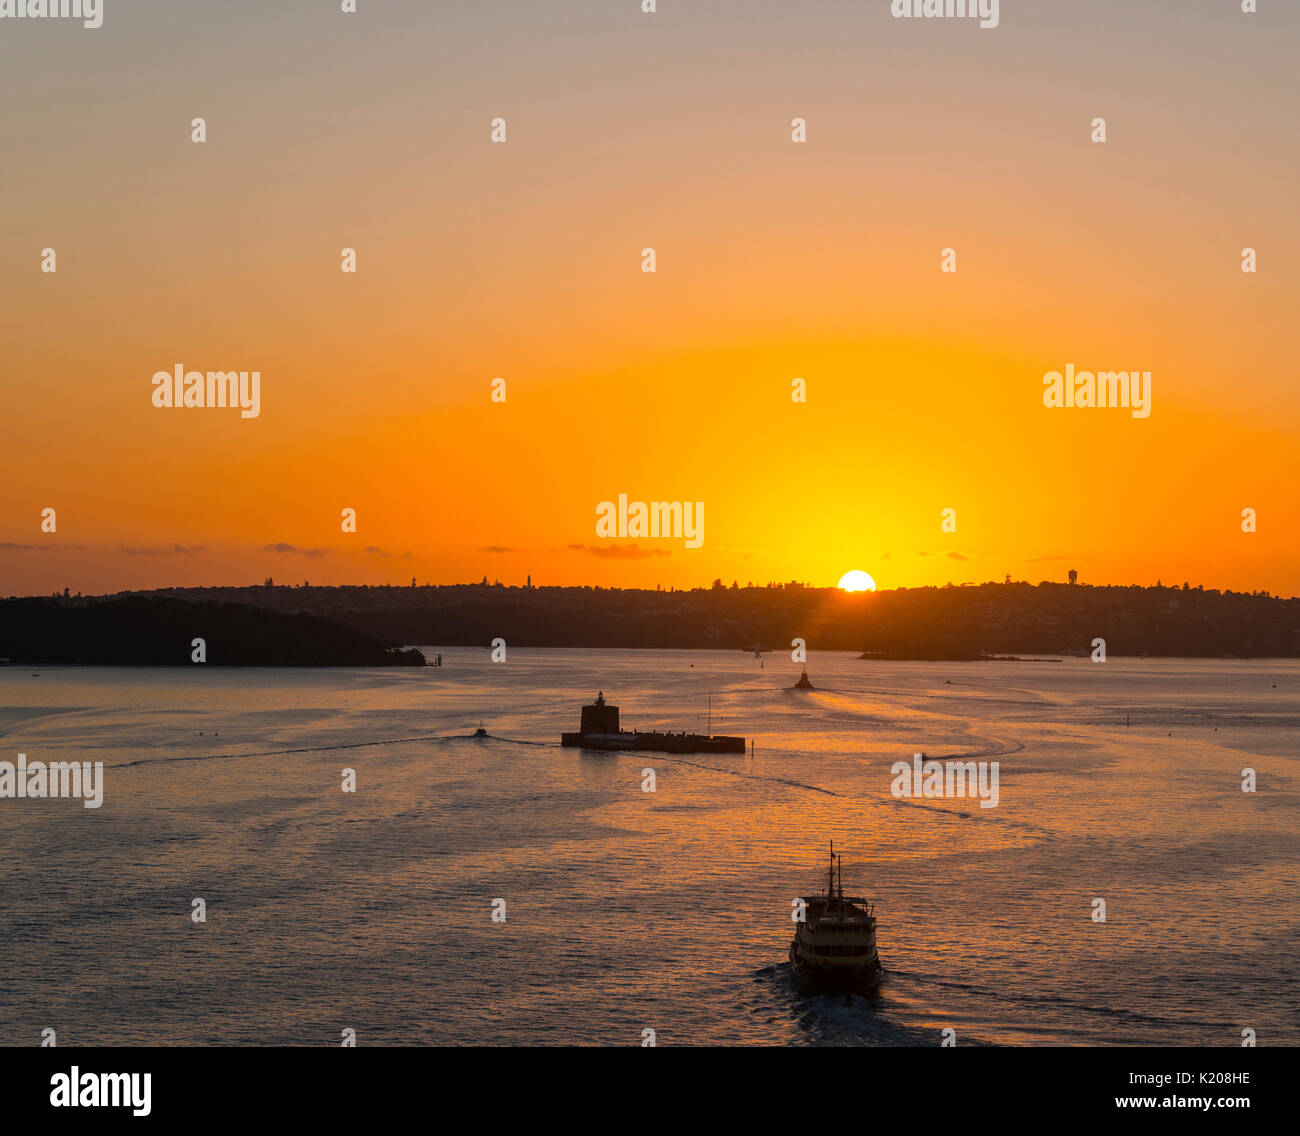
<point x="804" y="683"/>
<point x="834" y="948"/>
<point x="600" y="730"/>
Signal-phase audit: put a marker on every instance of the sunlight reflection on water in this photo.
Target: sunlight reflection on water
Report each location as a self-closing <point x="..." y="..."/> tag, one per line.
<point x="668" y="910"/>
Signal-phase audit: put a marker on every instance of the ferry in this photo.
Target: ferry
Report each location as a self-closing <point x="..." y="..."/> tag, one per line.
<point x="834" y="947"/>
<point x="600" y="730"/>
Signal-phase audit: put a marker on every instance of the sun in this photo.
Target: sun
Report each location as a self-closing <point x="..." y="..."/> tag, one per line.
<point x="857" y="581"/>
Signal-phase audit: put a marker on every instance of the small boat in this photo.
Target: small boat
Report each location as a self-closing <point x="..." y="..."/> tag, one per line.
<point x="834" y="945"/>
<point x="480" y="732"/>
<point x="804" y="683"/>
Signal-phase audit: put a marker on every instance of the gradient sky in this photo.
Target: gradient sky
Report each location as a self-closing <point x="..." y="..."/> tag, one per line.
<point x="775" y="261"/>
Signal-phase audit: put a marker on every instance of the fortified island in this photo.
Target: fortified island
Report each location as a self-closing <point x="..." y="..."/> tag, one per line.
<point x="600" y="730"/>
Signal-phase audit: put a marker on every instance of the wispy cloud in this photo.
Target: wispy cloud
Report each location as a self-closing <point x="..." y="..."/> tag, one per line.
<point x="737" y="550"/>
<point x="310" y="553"/>
<point x="9" y="546"/>
<point x="374" y="551"/>
<point x="174" y="550"/>
<point x="619" y="551"/>
<point x="957" y="556"/>
<point x="497" y="548"/>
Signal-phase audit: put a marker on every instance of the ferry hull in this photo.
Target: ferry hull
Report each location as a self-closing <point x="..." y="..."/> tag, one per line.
<point x="814" y="978"/>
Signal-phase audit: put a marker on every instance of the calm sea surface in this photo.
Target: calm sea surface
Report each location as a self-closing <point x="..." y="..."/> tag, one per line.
<point x="628" y="910"/>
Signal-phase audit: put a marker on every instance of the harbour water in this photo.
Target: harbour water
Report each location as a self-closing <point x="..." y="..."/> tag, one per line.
<point x="628" y="910"/>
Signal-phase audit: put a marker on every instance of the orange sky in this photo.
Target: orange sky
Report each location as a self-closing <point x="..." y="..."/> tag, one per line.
<point x="775" y="261"/>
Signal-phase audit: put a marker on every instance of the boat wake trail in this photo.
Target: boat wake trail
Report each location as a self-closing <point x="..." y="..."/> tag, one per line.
<point x="521" y="742"/>
<point x="283" y="752"/>
<point x="1073" y="1005"/>
<point x="750" y="776"/>
<point x="994" y="747"/>
<point x="840" y="1019"/>
<point x="904" y="695"/>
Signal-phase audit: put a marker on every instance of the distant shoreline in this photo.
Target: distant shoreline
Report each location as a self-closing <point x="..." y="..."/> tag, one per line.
<point x="364" y="626"/>
<point x="777" y="667"/>
<point x="155" y="631"/>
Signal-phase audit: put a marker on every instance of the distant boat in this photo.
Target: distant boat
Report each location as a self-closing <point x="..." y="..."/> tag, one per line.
<point x="804" y="683"/>
<point x="834" y="947"/>
<point x="600" y="730"/>
<point x="480" y="732"/>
